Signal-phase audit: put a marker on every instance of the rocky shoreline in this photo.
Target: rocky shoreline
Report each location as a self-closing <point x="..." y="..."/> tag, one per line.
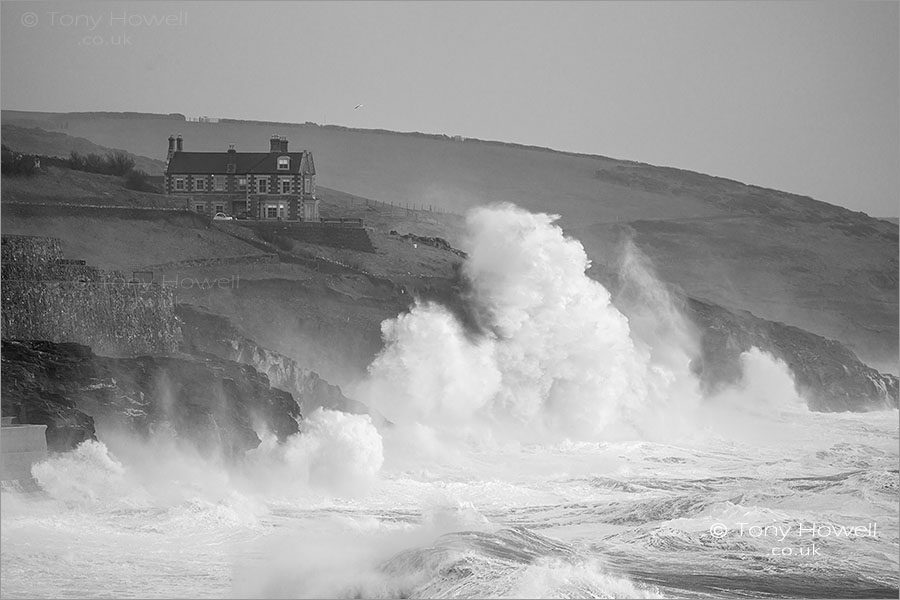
<point x="218" y="406"/>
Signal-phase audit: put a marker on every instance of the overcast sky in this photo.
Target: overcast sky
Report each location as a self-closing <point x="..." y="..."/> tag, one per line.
<point x="803" y="97"/>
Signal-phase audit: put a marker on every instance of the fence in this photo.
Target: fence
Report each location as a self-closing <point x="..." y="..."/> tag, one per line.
<point x="403" y="208"/>
<point x="345" y="223"/>
<point x="409" y="208"/>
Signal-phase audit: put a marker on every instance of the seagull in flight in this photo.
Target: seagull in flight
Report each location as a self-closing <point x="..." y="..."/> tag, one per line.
<point x="357" y="106"/>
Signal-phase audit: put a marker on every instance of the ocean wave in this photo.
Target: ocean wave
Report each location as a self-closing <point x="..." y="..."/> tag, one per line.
<point x="509" y="563"/>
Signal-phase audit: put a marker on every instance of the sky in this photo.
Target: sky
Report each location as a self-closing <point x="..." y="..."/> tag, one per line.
<point x="798" y="96"/>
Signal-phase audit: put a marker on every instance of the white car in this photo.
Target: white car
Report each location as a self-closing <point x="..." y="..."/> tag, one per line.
<point x="222" y="217"/>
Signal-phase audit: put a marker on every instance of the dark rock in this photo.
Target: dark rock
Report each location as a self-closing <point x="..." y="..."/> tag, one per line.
<point x="827" y="373"/>
<point x="435" y="242"/>
<point x="26" y="397"/>
<point x="217" y="405"/>
<point x="206" y="333"/>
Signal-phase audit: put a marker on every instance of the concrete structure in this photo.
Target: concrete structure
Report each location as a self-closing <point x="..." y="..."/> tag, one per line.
<point x="21" y="446"/>
<point x="277" y="185"/>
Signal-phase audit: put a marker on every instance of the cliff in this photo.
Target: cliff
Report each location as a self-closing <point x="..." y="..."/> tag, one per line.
<point x="210" y="334"/>
<point x="782" y="256"/>
<point x="216" y="405"/>
<point x="826" y="372"/>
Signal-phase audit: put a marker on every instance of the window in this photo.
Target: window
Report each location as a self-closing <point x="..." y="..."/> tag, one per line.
<point x="219" y="183"/>
<point x="220" y="208"/>
<point x="285" y="186"/>
<point x="200" y="184"/>
<point x="179" y="183"/>
<point x="199" y="208"/>
<point x="242" y="183"/>
<point x="273" y="210"/>
<point x="306" y="186"/>
<point x="284" y="163"/>
<point x="262" y="185"/>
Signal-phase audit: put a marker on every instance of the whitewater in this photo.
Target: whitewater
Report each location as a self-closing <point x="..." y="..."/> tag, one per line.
<point x="550" y="442"/>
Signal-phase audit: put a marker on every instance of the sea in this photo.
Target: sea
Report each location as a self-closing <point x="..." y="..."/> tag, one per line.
<point x="555" y="443"/>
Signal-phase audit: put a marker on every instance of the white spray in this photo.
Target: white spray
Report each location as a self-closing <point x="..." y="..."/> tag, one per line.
<point x="557" y="360"/>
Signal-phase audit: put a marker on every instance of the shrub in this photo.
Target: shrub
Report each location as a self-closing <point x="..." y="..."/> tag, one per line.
<point x="16" y="164"/>
<point x="77" y="161"/>
<point x="113" y="163"/>
<point x="140" y="181"/>
<point x="94" y="163"/>
<point x="119" y="163"/>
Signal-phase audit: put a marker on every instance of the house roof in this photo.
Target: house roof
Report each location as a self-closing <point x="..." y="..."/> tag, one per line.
<point x="245" y="162"/>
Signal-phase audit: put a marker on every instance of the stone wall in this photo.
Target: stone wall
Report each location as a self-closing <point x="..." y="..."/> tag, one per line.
<point x="337" y="235"/>
<point x="29" y="248"/>
<point x="47" y="298"/>
<point x="24" y="270"/>
<point x="217" y="261"/>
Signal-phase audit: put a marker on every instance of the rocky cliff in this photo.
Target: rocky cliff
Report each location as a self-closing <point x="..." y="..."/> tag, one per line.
<point x="827" y="374"/>
<point x="217" y="405"/>
<point x="206" y="333"/>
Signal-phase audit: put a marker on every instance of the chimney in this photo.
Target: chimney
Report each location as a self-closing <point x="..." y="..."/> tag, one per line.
<point x="179" y="144"/>
<point x="231" y="161"/>
<point x="284" y="143"/>
<point x="171" y="148"/>
<point x="275" y="144"/>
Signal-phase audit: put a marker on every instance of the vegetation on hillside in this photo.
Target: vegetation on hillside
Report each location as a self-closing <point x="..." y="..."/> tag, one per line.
<point x="17" y="164"/>
<point x="117" y="163"/>
<point x="114" y="162"/>
<point x="781" y="256"/>
<point x="56" y="144"/>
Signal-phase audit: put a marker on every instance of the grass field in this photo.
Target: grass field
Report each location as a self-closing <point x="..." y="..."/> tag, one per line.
<point x="58" y="185"/>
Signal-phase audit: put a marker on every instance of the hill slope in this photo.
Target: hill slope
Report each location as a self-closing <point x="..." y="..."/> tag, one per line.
<point x="53" y="143"/>
<point x="781" y="256"/>
<point x="321" y="306"/>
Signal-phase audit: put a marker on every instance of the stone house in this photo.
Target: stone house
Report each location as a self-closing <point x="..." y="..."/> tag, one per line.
<point x="273" y="185"/>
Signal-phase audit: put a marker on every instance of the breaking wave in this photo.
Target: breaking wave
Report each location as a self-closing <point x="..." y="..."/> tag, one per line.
<point x="552" y="357"/>
<point x="552" y="446"/>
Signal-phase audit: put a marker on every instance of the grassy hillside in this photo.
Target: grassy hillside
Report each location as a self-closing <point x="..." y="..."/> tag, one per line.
<point x="328" y="320"/>
<point x="815" y="276"/>
<point x="781" y="256"/>
<point x="54" y="143"/>
<point x="123" y="239"/>
<point x="322" y="305"/>
<point x="60" y="185"/>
